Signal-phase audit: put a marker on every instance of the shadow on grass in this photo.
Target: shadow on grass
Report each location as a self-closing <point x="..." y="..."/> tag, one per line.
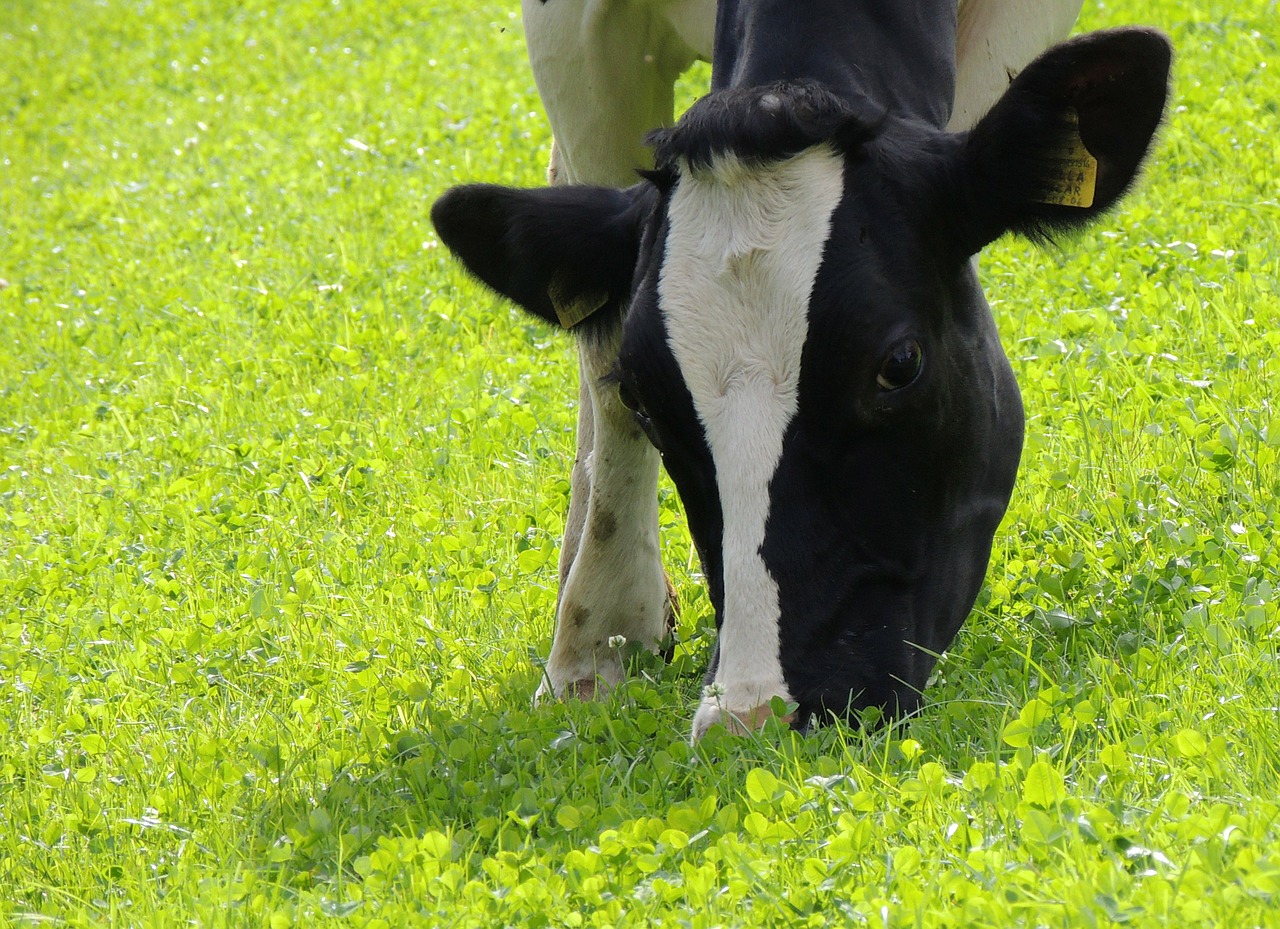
<point x="491" y="776"/>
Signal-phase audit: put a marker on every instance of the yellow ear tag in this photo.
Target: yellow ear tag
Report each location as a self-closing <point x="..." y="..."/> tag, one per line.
<point x="1076" y="171"/>
<point x="571" y="310"/>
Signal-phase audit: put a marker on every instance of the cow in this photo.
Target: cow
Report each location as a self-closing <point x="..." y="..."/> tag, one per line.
<point x="782" y="307"/>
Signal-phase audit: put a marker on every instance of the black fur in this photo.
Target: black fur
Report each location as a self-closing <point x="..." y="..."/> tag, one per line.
<point x="526" y="243"/>
<point x="899" y="53"/>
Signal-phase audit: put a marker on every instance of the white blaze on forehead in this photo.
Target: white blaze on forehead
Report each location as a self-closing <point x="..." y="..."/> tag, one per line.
<point x="743" y="248"/>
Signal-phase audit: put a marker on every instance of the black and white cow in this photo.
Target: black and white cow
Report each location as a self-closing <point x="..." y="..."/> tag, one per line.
<point x="786" y="309"/>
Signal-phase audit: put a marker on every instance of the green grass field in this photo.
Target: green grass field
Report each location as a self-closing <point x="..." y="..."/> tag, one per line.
<point x="281" y="491"/>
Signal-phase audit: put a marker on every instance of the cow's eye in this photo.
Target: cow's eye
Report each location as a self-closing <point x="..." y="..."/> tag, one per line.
<point x="902" y="366"/>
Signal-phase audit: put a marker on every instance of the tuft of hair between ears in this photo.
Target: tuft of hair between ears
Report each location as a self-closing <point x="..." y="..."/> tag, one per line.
<point x="756" y="125"/>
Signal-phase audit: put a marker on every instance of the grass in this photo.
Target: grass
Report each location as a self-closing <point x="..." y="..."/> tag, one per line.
<point x="280" y="495"/>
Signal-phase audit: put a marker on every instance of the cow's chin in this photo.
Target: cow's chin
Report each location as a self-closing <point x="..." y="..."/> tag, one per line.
<point x="871" y="662"/>
<point x="860" y="706"/>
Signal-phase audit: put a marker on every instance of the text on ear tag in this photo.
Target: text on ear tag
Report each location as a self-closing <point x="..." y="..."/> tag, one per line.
<point x="572" y="309"/>
<point x="1075" y="171"/>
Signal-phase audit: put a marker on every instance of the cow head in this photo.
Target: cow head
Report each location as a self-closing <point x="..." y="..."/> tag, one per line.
<point x="805" y="342"/>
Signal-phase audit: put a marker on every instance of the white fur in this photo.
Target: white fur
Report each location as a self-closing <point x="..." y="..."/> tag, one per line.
<point x="606" y="70"/>
<point x="743" y="249"/>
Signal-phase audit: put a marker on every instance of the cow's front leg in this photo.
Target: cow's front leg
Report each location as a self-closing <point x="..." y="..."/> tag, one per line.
<point x="612" y="582"/>
<point x="579" y="478"/>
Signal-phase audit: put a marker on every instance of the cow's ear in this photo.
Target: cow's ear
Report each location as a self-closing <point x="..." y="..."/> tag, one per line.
<point x="1067" y="138"/>
<point x="562" y="253"/>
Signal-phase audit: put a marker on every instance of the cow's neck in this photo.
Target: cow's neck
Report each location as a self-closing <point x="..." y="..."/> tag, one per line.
<point x="900" y="54"/>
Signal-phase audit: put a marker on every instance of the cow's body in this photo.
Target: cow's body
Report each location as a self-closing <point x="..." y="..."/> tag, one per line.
<point x="787" y="310"/>
<point x="606" y="68"/>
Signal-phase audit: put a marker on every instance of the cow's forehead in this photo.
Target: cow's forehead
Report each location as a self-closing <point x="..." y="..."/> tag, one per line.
<point x="742" y="251"/>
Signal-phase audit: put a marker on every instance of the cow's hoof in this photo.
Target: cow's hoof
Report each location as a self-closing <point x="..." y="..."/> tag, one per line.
<point x="713" y="712"/>
<point x="593" y="687"/>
